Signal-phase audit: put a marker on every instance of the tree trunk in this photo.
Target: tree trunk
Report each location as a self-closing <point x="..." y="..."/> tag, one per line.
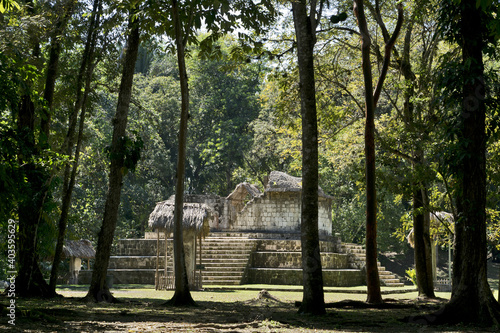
<point x="54" y="54"/>
<point x="312" y="275"/>
<point x="372" y="276"/>
<point x="371" y="99"/>
<point x="472" y="300"/>
<point x="70" y="176"/>
<point x="422" y="239"/>
<point x="98" y="290"/>
<point x="182" y="295"/>
<point x="421" y="222"/>
<point x="29" y="280"/>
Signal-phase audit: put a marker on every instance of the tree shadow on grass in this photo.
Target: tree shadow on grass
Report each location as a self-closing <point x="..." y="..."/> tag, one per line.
<point x="255" y="315"/>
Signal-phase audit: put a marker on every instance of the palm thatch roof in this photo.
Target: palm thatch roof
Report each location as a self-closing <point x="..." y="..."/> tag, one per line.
<point x="282" y="182"/>
<point x="436" y="219"/>
<point x="79" y="249"/>
<point x="195" y="217"/>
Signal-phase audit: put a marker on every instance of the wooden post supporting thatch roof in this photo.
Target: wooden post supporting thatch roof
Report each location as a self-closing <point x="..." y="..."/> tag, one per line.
<point x="195" y="217"/>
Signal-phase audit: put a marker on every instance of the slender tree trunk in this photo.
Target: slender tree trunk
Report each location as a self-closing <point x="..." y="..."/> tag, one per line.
<point x="422" y="239"/>
<point x="98" y="290"/>
<point x="54" y="55"/>
<point x="371" y="99"/>
<point x="70" y="176"/>
<point x="313" y="298"/>
<point x="182" y="295"/>
<point x="372" y="276"/>
<point x="421" y="222"/>
<point x="472" y="300"/>
<point x="30" y="281"/>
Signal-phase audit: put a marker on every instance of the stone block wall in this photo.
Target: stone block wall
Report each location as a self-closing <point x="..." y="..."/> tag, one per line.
<point x="273" y="211"/>
<point x="292" y="276"/>
<point x="290" y="245"/>
<point x="294" y="260"/>
<point x="279" y="211"/>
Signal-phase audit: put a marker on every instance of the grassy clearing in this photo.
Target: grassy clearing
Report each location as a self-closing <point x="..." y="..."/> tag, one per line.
<point x="239" y="310"/>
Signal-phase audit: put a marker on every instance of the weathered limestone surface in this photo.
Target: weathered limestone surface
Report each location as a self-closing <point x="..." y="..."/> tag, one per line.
<point x="294" y="260"/>
<point x="293" y="276"/>
<point x="279" y="211"/>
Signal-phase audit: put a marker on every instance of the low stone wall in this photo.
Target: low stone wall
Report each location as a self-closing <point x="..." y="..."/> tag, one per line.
<point x="292" y="276"/>
<point x="138" y="247"/>
<point x="140" y="262"/>
<point x="294" y="260"/>
<point x="125" y="276"/>
<point x="290" y="245"/>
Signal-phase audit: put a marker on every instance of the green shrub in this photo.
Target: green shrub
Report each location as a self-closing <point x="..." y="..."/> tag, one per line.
<point x="411" y="275"/>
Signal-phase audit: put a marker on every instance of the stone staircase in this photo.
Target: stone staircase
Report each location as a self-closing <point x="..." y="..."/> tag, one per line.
<point x="358" y="257"/>
<point x="133" y="262"/>
<point x="225" y="259"/>
<point x="279" y="262"/>
<point x="243" y="258"/>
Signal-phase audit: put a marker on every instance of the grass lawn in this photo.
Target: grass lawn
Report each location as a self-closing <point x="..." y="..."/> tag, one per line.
<point x="220" y="309"/>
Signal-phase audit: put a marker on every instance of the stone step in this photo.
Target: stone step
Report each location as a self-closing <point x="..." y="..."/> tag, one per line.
<point x="224" y="282"/>
<point x="209" y="252"/>
<point x="331" y="277"/>
<point x="358" y="253"/>
<point x="215" y="266"/>
<point x="270" y="259"/>
<point x="221" y="275"/>
<point x="290" y="245"/>
<point x="231" y="247"/>
<point x="222" y="256"/>
<point x="235" y="274"/>
<point x="393" y="284"/>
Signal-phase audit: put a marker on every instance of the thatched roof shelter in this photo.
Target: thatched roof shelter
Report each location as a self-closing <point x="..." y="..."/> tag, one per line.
<point x="437" y="219"/>
<point x="282" y="182"/>
<point x="79" y="249"/>
<point x="195" y="217"/>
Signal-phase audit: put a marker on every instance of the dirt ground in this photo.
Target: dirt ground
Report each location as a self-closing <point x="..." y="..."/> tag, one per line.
<point x="228" y="311"/>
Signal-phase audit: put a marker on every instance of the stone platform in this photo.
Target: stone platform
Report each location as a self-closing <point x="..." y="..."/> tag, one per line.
<point x="239" y="258"/>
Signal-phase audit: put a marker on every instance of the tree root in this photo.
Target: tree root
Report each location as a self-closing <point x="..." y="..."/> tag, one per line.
<point x="100" y="296"/>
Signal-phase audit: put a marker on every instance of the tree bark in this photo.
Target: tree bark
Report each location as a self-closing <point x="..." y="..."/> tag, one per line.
<point x="422" y="239"/>
<point x="472" y="300"/>
<point x="70" y="176"/>
<point x="372" y="276"/>
<point x="305" y="28"/>
<point x="371" y="98"/>
<point x="421" y="222"/>
<point x="98" y="290"/>
<point x="182" y="295"/>
<point x="29" y="280"/>
<point x="54" y="55"/>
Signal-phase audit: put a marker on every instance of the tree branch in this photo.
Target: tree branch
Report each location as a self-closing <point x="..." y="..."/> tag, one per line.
<point x="387" y="58"/>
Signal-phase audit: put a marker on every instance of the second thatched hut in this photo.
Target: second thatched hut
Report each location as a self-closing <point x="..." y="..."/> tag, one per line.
<point x="195" y="225"/>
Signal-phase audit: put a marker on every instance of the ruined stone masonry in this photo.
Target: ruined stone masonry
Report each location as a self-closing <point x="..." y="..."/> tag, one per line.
<point x="254" y="238"/>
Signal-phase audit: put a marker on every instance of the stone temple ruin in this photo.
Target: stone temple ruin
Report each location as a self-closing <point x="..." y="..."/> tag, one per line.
<point x="248" y="237"/>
